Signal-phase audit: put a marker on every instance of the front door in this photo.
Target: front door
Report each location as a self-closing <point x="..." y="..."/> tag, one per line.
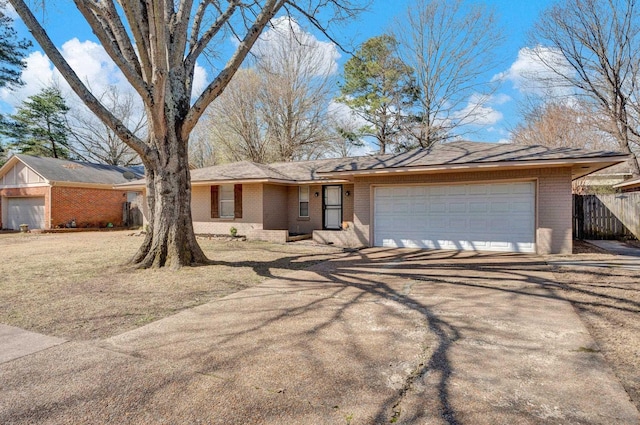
<point x="332" y="206"/>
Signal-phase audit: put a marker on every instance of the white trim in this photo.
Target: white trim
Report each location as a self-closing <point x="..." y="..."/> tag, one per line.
<point x="300" y="200"/>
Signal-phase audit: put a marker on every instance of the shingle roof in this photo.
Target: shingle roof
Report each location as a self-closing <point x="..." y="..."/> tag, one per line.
<point x="237" y="171"/>
<point x="61" y="170"/>
<point x="465" y="153"/>
<point x="438" y="155"/>
<point x="246" y="170"/>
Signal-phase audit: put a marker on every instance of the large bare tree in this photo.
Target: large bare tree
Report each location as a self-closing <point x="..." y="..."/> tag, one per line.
<point x="93" y="140"/>
<point x="277" y="108"/>
<point x="451" y="46"/>
<point x="597" y="44"/>
<point x="156" y="44"/>
<point x="561" y="123"/>
<point x="236" y="131"/>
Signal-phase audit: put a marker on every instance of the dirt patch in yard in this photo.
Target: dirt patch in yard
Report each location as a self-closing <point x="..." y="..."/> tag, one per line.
<point x="75" y="285"/>
<point x="608" y="301"/>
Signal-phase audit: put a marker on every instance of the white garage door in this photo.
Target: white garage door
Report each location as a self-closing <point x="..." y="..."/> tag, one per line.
<point x="482" y="217"/>
<point x="25" y="211"/>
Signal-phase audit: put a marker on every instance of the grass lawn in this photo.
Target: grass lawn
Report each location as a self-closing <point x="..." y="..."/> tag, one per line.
<point x="75" y="285"/>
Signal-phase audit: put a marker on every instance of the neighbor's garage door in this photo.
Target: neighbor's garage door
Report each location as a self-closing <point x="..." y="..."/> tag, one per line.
<point x="483" y="217"/>
<point x="25" y="211"/>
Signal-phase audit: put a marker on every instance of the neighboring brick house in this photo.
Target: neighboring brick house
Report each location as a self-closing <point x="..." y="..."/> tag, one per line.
<point x="46" y="193"/>
<point x="461" y="195"/>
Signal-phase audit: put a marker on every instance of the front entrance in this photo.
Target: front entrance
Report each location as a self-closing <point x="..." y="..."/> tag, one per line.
<point x="332" y="207"/>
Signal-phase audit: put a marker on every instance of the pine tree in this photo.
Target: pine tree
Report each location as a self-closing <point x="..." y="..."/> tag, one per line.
<point x="39" y="127"/>
<point x="12" y="52"/>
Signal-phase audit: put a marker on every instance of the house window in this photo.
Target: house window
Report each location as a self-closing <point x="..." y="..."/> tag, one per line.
<point x="226" y="201"/>
<point x="303" y="199"/>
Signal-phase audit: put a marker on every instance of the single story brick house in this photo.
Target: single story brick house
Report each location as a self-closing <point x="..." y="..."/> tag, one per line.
<point x="46" y="193"/>
<point x="460" y="195"/>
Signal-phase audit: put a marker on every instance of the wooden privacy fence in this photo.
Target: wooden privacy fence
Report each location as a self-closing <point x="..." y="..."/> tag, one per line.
<point x="610" y="216"/>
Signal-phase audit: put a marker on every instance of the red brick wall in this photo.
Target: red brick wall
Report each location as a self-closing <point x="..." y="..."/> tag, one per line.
<point x="89" y="207"/>
<point x="26" y="192"/>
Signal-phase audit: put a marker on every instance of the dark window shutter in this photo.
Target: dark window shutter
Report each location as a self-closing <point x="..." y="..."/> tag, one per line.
<point x="237" y="201"/>
<point x="215" y="202"/>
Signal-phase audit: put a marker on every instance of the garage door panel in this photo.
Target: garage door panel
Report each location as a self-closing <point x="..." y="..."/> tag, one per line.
<point x="479" y="207"/>
<point x="457" y="207"/>
<point x="497" y="217"/>
<point x="28" y="211"/>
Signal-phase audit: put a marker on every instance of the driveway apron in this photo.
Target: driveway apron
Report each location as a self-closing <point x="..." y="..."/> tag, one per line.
<point x="379" y="336"/>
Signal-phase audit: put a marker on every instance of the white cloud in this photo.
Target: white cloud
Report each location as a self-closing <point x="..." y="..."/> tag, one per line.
<point x="479" y="110"/>
<point x="88" y="59"/>
<point x="344" y="116"/>
<point x="323" y="55"/>
<point x="9" y="11"/>
<point x="532" y="71"/>
<point x="200" y="81"/>
<point x="37" y="74"/>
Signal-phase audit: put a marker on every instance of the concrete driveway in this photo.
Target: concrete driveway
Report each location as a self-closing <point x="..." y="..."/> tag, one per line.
<point x="379" y="336"/>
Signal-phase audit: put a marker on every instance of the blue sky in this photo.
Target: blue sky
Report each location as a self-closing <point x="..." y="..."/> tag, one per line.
<point x="516" y="17"/>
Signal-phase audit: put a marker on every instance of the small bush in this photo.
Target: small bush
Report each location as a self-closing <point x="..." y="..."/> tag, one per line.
<point x="233" y="231"/>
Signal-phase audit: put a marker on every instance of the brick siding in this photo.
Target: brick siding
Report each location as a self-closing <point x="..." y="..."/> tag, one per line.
<point x="252" y="215"/>
<point x="89" y="207"/>
<point x="553" y="228"/>
<point x="275" y="202"/>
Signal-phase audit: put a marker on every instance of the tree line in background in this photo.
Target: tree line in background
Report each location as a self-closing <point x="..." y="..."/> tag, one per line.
<point x="423" y="82"/>
<point x="405" y="89"/>
<point x="591" y="97"/>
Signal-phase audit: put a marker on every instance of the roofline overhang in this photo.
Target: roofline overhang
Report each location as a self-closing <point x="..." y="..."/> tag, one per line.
<point x="137" y="185"/>
<point x="7" y="165"/>
<point x="627" y="184"/>
<point x="110" y="186"/>
<point x="270" y="181"/>
<point x="468" y="167"/>
<point x="11" y="162"/>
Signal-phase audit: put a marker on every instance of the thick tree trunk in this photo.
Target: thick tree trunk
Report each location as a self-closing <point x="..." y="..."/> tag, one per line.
<point x="170" y="240"/>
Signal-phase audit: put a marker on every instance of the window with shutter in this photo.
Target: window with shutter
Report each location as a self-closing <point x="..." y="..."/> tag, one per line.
<point x="215" y="198"/>
<point x="237" y="199"/>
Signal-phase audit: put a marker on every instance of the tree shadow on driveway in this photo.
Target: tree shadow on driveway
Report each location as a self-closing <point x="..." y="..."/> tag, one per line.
<point x="378" y="336"/>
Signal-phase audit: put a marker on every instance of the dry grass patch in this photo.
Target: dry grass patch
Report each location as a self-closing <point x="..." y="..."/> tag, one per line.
<point x="608" y="302"/>
<point x="75" y="285"/>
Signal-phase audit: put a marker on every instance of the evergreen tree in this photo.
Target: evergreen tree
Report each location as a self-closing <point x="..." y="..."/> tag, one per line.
<point x="12" y="52"/>
<point x="381" y="89"/>
<point x="39" y="127"/>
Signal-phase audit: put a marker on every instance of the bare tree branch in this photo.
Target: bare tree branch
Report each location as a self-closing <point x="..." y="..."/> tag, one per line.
<point x="74" y="81"/>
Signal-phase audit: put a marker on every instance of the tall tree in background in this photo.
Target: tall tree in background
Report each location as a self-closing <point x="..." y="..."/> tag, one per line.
<point x="597" y="44"/>
<point x="156" y="45"/>
<point x="450" y="45"/>
<point x="298" y="82"/>
<point x="39" y="126"/>
<point x="234" y="121"/>
<point x="94" y="141"/>
<point x="560" y="123"/>
<point x="381" y="89"/>
<point x="12" y="51"/>
<point x="277" y="109"/>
